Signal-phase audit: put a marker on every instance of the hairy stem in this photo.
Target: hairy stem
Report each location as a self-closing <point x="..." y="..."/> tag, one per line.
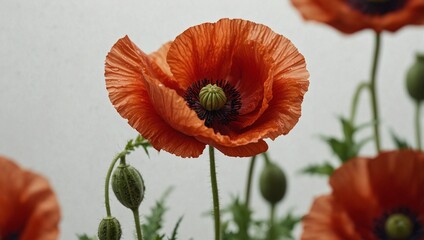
<point x="215" y="196"/>
<point x="137" y="224"/>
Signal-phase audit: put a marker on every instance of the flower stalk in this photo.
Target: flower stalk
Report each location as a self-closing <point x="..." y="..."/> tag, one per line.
<point x="249" y="180"/>
<point x="361" y="87"/>
<point x="109" y="173"/>
<point x="418" y="125"/>
<point x="373" y="91"/>
<point x="215" y="196"/>
<point x="137" y="224"/>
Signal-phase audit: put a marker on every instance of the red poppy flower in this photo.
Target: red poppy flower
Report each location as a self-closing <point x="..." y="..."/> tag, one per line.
<point x="228" y="84"/>
<point x="350" y="16"/>
<point x="29" y="209"/>
<point x="372" y="199"/>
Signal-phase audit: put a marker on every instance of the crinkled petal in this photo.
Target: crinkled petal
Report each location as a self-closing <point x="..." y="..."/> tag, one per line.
<point x="28" y="206"/>
<point x="125" y="71"/>
<point x="248" y="150"/>
<point x="251" y="75"/>
<point x="397" y="178"/>
<point x="327" y="220"/>
<point x="343" y="17"/>
<point x="352" y="188"/>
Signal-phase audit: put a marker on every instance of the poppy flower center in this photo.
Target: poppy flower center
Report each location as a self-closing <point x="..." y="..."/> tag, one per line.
<point x="212" y="97"/>
<point x="376" y="7"/>
<point x="217" y="103"/>
<point x="400" y="224"/>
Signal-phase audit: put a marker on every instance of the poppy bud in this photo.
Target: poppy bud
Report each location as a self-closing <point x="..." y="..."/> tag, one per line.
<point x="415" y="79"/>
<point x="272" y="183"/>
<point x="399" y="226"/>
<point x="128" y="186"/>
<point x="109" y="229"/>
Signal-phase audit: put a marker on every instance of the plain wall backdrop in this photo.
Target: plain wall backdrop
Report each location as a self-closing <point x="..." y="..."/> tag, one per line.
<point x="56" y="118"/>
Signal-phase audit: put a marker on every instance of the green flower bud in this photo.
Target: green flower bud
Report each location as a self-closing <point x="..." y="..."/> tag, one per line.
<point x="399" y="227"/>
<point x="272" y="183"/>
<point x="128" y="186"/>
<point x="212" y="97"/>
<point x="415" y="79"/>
<point x="109" y="229"/>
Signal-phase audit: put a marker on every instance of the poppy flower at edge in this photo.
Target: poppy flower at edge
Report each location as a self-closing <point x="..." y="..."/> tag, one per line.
<point x="350" y="16"/>
<point x="252" y="80"/>
<point x="372" y="199"/>
<point x="29" y="209"/>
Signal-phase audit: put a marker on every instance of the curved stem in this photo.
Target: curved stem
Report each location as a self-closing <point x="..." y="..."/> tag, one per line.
<point x="215" y="196"/>
<point x="137" y="224"/>
<point x="418" y="125"/>
<point x="249" y="180"/>
<point x="109" y="172"/>
<point x="266" y="157"/>
<point x="373" y="90"/>
<point x="355" y="100"/>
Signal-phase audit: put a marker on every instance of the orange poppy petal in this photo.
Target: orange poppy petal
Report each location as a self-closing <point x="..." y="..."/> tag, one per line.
<point x="41" y="207"/>
<point x="352" y="188"/>
<point x="251" y="75"/>
<point x="248" y="150"/>
<point x="328" y="220"/>
<point x="340" y="15"/>
<point x="28" y="205"/>
<point x="404" y="169"/>
<point x="126" y="70"/>
<point x="205" y="51"/>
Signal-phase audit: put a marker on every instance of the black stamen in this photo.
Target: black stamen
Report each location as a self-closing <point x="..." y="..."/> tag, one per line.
<point x="379" y="224"/>
<point x="215" y="118"/>
<point x="376" y="7"/>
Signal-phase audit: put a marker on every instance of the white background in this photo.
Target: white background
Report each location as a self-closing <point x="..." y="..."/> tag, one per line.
<point x="56" y="118"/>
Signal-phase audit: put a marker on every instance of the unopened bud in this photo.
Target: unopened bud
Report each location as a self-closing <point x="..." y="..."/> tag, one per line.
<point x="272" y="183"/>
<point x="415" y="79"/>
<point x="109" y="229"/>
<point x="128" y="186"/>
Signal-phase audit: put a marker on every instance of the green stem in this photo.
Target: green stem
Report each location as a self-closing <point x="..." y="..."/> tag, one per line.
<point x="271" y="222"/>
<point x="249" y="180"/>
<point x="418" y="125"/>
<point x="266" y="157"/>
<point x="373" y="90"/>
<point x="215" y="194"/>
<point x="109" y="172"/>
<point x="137" y="224"/>
<point x="355" y="100"/>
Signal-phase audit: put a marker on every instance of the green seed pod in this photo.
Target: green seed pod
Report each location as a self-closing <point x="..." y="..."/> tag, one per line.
<point x="128" y="186"/>
<point x="415" y="79"/>
<point x="272" y="183"/>
<point x="109" y="229"/>
<point x="399" y="226"/>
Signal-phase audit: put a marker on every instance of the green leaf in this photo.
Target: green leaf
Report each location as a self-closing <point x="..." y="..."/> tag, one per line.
<point x="285" y="226"/>
<point x="237" y="227"/>
<point x="85" y="237"/>
<point x="325" y="169"/>
<point x="399" y="142"/>
<point x="154" y="220"/>
<point x="174" y="232"/>
<point x="346" y="148"/>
